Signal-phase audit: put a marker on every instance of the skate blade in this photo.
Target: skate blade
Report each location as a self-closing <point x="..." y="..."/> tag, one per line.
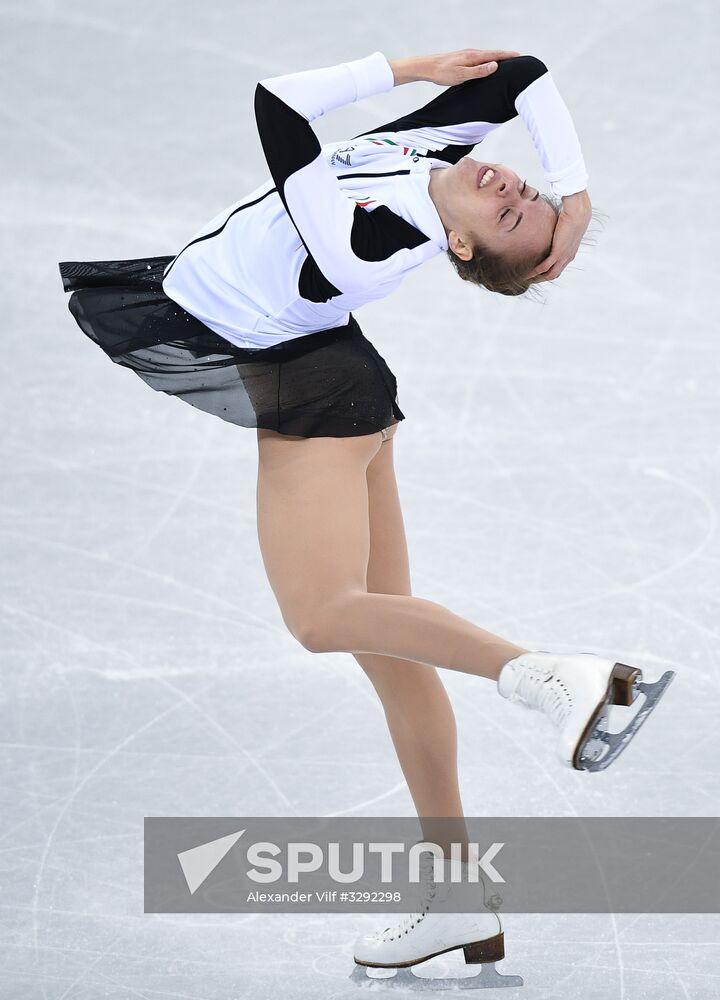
<point x="602" y="747"/>
<point x="488" y="978"/>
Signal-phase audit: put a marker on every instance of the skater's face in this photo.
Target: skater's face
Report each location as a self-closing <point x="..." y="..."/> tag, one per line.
<point x="489" y="203"/>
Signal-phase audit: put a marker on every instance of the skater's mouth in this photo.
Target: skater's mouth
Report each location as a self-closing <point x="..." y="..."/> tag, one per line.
<point x="486" y="175"/>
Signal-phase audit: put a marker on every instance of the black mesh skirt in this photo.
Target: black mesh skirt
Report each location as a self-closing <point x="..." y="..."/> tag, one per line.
<point x="327" y="384"/>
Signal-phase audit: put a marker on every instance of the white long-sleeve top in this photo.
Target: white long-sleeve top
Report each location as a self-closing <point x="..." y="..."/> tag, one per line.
<point x="341" y="224"/>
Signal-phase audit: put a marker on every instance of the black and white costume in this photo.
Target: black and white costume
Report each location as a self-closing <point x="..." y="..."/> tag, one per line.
<point x="341" y="224"/>
<point x="253" y="319"/>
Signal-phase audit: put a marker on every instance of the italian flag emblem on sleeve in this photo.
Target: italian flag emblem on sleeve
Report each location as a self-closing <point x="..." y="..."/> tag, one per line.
<point x="407" y="150"/>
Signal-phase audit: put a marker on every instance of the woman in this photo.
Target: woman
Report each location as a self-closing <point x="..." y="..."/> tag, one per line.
<point x="252" y="321"/>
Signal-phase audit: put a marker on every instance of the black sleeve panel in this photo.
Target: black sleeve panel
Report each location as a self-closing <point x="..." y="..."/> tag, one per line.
<point x="490" y="99"/>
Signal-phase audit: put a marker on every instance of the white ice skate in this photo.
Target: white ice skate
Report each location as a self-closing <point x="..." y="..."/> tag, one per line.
<point x="420" y="936"/>
<point x="576" y="691"/>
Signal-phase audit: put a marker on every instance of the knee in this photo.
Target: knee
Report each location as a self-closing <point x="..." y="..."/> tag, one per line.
<point x="319" y="630"/>
<point x="316" y="632"/>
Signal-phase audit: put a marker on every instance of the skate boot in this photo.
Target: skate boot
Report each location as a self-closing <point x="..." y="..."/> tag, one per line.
<point x="417" y="937"/>
<point x="576" y="691"/>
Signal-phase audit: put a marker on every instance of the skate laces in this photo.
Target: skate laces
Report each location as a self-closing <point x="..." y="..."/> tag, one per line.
<point x="410" y="920"/>
<point x="538" y="687"/>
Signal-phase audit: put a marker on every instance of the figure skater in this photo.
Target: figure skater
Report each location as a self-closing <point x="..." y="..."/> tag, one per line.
<point x="253" y="322"/>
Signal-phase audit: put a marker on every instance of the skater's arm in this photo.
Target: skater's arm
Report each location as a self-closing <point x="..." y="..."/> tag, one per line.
<point x="465" y="113"/>
<point x="329" y="223"/>
<point x="459" y="118"/>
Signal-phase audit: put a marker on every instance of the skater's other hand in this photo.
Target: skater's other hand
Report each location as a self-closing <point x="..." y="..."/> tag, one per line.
<point x="449" y="68"/>
<point x="571" y="225"/>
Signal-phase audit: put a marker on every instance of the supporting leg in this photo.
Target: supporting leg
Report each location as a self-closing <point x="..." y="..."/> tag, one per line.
<point x="416" y="705"/>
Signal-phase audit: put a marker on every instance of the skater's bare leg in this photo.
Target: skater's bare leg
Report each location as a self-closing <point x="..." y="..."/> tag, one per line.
<point x="418" y="711"/>
<point x="314" y="533"/>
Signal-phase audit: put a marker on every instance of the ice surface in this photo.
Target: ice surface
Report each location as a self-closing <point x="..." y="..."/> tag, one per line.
<point x="558" y="469"/>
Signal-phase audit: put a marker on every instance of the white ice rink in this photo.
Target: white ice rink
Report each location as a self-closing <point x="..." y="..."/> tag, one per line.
<point x="559" y="474"/>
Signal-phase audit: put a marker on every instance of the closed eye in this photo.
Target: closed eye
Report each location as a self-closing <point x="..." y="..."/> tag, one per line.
<point x="520" y="216"/>
<point x="504" y="213"/>
<point x="517" y="222"/>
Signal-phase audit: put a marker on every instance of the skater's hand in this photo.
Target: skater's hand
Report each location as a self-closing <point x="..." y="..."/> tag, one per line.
<point x="569" y="231"/>
<point x="449" y="68"/>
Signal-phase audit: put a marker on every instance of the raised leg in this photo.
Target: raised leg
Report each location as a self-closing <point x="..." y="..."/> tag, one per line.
<point x="314" y="533"/>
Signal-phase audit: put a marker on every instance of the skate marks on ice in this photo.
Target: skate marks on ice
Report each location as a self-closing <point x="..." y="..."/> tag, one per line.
<point x="405" y="979"/>
<point x="601" y="745"/>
